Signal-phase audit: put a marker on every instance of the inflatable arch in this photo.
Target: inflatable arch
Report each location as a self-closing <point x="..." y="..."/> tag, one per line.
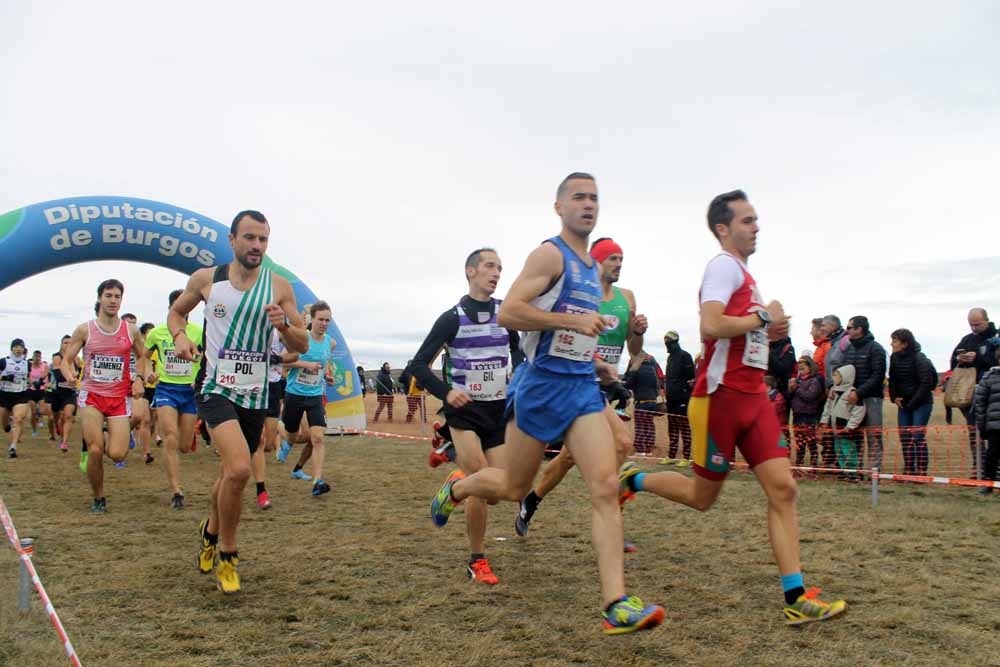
<point x="67" y="231"/>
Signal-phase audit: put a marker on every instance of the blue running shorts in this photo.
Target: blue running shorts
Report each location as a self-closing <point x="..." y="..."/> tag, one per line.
<point x="180" y="397"/>
<point x="546" y="404"/>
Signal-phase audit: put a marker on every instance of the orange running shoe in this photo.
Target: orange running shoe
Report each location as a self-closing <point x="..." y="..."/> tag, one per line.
<point x="479" y="570"/>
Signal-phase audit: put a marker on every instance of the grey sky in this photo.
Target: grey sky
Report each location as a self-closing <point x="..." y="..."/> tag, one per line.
<point x="385" y="141"/>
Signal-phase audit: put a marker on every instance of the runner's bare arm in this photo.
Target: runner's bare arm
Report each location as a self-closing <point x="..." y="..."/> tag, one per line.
<point x="543" y="267"/>
<point x="141" y="365"/>
<point x="193" y="294"/>
<point x="716" y="324"/>
<point x="637" y="325"/>
<point x="294" y="335"/>
<point x="76" y="342"/>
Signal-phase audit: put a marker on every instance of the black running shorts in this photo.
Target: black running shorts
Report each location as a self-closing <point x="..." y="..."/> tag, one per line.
<point x="296" y="406"/>
<point x="9" y="399"/>
<point x="484" y="418"/>
<point x="275" y="392"/>
<point x="215" y="410"/>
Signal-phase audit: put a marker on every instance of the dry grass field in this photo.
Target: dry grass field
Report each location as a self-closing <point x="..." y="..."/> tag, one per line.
<point x="361" y="577"/>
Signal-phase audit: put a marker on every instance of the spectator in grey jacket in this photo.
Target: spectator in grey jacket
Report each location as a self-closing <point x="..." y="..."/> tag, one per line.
<point x="869" y="361"/>
<point x="838" y="346"/>
<point x="987" y="414"/>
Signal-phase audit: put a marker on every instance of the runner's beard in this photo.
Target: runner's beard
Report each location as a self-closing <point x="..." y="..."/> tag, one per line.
<point x="245" y="261"/>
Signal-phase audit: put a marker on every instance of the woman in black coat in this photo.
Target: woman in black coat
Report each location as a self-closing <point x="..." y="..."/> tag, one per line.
<point x="912" y="379"/>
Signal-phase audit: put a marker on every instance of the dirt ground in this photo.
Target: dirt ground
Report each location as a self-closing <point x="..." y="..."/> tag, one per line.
<point x="361" y="576"/>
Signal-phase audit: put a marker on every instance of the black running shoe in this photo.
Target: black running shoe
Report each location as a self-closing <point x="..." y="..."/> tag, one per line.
<point x="524" y="515"/>
<point x="12" y="452"/>
<point x="99" y="506"/>
<point x="177" y="502"/>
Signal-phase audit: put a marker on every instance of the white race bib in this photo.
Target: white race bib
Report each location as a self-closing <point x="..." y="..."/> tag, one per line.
<point x="106" y="368"/>
<point x="610" y="353"/>
<point x="242" y="371"/>
<point x="174" y="365"/>
<point x="756" y="349"/>
<point x="14" y="386"/>
<point x="570" y="345"/>
<point x="308" y="378"/>
<point x="486" y="385"/>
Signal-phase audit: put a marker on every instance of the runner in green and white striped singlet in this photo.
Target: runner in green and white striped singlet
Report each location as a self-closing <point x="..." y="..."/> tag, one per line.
<point x="238" y="340"/>
<point x="245" y="302"/>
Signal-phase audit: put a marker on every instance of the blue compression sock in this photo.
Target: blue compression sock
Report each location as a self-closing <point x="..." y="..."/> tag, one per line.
<point x="793" y="586"/>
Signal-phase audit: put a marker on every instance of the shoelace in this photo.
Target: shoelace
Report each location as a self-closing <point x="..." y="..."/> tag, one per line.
<point x="481" y="567"/>
<point x="812" y="595"/>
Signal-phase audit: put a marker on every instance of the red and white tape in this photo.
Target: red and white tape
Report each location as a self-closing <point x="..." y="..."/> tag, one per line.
<point x="382" y="434"/>
<point x="25" y="556"/>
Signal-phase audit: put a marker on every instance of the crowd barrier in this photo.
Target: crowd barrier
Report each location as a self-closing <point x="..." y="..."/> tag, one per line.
<point x="24" y="554"/>
<point x="939" y="454"/>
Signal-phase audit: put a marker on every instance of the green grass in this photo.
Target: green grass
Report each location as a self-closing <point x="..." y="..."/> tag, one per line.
<point x="361" y="577"/>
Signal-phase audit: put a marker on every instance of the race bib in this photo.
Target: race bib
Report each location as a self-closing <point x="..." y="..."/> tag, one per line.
<point x="106" y="368"/>
<point x="241" y="371"/>
<point x="570" y="345"/>
<point x="610" y="353"/>
<point x="756" y="349"/>
<point x="308" y="378"/>
<point x="14" y="386"/>
<point x="486" y="385"/>
<point x="174" y="365"/>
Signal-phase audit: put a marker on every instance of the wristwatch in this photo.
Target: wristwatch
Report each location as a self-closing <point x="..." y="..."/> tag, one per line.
<point x="765" y="317"/>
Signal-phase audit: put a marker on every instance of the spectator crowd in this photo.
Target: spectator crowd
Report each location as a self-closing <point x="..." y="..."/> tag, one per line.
<point x="830" y="399"/>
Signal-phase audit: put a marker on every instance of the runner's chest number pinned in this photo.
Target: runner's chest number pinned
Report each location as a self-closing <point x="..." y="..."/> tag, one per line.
<point x="756" y="350"/>
<point x="106" y="368"/>
<point x="242" y="371"/>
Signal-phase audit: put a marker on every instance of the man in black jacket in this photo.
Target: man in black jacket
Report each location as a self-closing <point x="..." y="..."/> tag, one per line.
<point x="868" y="359"/>
<point x="781" y="363"/>
<point x="678" y="381"/>
<point x="975" y="349"/>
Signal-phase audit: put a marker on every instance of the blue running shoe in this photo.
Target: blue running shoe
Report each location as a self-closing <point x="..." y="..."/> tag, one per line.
<point x="628" y="615"/>
<point x="443" y="505"/>
<point x="283" y="451"/>
<point x="301" y="474"/>
<point x="120" y="465"/>
<point x="131" y="441"/>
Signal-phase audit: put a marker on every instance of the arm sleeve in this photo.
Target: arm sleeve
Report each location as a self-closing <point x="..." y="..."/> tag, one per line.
<point x="857" y="416"/>
<point x="925" y="383"/>
<point x="810" y="391"/>
<point x="723" y="276"/>
<point x="872" y="388"/>
<point x="979" y="400"/>
<point x="442" y="333"/>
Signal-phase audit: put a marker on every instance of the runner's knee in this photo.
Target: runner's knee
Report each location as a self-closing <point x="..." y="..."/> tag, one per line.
<point x="605" y="489"/>
<point x="783" y="492"/>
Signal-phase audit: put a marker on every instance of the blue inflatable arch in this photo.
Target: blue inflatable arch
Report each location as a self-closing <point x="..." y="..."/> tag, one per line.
<point x="56" y="233"/>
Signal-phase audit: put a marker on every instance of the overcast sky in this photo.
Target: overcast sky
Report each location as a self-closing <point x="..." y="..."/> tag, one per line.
<point x="384" y="141"/>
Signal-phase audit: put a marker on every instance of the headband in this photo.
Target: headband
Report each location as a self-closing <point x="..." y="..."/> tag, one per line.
<point x="604" y="249"/>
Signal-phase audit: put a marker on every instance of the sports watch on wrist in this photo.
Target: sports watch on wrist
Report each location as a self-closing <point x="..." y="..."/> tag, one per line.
<point x="765" y="317"/>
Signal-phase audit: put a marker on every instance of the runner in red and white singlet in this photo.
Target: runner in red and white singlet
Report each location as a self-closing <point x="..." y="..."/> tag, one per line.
<point x="729" y="407"/>
<point x="107" y="381"/>
<point x="108" y="385"/>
